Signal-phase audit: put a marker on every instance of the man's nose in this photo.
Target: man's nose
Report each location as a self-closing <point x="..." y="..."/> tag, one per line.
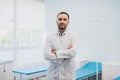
<point x="62" y="20"/>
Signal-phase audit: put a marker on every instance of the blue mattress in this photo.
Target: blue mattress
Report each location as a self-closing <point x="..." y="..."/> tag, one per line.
<point x="118" y="78"/>
<point x="88" y="70"/>
<point x="31" y="70"/>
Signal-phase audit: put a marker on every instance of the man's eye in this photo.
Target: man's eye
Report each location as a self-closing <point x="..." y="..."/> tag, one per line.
<point x="59" y="19"/>
<point x="65" y="19"/>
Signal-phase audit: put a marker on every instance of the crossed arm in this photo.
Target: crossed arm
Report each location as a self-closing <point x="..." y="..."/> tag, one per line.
<point x="54" y="50"/>
<point x="54" y="54"/>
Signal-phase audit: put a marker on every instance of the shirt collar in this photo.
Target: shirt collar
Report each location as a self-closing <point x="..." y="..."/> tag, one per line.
<point x="61" y="34"/>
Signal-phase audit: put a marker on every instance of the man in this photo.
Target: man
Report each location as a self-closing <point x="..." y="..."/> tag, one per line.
<point x="60" y="50"/>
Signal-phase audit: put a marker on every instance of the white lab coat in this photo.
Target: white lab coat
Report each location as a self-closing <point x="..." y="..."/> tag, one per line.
<point x="62" y="65"/>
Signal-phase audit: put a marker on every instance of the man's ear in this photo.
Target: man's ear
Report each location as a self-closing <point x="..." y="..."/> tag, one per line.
<point x="68" y="21"/>
<point x="56" y="21"/>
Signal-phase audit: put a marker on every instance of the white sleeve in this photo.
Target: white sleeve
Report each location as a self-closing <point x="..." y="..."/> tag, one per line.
<point x="47" y="51"/>
<point x="69" y="53"/>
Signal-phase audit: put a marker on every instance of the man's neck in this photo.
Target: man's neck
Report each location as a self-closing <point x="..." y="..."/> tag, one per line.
<point x="61" y="31"/>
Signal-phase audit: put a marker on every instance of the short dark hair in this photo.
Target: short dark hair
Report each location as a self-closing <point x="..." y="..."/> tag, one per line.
<point x="64" y="13"/>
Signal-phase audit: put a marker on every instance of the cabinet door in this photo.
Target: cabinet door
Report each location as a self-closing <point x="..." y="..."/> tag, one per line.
<point x="8" y="72"/>
<point x="2" y="72"/>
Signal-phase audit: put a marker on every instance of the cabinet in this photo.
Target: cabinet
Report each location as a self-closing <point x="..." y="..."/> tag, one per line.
<point x="6" y="68"/>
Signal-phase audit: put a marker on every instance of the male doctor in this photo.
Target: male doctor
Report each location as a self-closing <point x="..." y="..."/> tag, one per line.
<point x="60" y="50"/>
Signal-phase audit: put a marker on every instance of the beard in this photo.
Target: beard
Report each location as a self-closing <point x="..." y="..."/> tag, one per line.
<point x="62" y="27"/>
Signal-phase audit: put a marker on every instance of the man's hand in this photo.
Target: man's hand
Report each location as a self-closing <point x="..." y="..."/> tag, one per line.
<point x="54" y="51"/>
<point x="69" y="47"/>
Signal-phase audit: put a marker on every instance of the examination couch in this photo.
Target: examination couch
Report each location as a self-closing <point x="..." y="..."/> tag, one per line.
<point x="90" y="71"/>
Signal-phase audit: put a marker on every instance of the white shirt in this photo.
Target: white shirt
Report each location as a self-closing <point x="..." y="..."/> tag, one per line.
<point x="62" y="65"/>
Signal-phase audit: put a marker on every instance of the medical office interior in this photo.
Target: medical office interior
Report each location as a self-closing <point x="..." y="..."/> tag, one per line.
<point x="24" y="25"/>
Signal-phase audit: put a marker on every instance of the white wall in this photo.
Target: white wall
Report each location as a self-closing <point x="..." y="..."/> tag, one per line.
<point x="97" y="24"/>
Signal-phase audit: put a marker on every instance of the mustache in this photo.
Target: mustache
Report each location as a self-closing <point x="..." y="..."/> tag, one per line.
<point x="61" y="24"/>
<point x="62" y="28"/>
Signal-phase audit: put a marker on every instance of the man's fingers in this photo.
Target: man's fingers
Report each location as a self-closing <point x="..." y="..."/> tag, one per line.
<point x="69" y="47"/>
<point x="53" y="50"/>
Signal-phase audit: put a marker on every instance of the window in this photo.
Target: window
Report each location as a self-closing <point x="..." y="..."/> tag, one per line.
<point x="21" y="30"/>
<point x="6" y="25"/>
<point x="6" y="30"/>
<point x="6" y="37"/>
<point x="29" y="31"/>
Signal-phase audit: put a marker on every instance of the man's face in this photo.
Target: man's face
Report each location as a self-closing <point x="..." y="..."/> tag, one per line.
<point x="62" y="21"/>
